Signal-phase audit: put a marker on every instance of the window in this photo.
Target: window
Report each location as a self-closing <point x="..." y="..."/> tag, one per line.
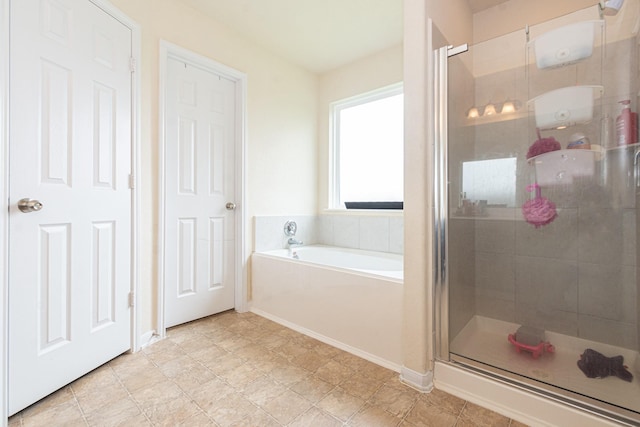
<point x="368" y="150"/>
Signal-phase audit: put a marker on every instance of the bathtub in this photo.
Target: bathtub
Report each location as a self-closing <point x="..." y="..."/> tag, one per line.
<point x="349" y="298"/>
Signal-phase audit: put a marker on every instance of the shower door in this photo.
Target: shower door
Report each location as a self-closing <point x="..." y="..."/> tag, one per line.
<point x="541" y="241"/>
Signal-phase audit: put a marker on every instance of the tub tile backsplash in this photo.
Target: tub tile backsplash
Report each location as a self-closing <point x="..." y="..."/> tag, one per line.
<point x="382" y="233"/>
<point x="374" y="234"/>
<point x="269" y="231"/>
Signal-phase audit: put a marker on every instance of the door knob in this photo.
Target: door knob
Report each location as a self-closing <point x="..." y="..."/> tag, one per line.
<point x="28" y="205"/>
<point x="230" y="206"/>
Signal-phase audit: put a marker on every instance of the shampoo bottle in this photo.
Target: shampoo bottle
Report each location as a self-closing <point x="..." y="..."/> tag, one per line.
<point x="627" y="125"/>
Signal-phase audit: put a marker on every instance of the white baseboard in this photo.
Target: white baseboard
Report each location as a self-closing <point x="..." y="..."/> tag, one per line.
<point x="342" y="346"/>
<point x="421" y="382"/>
<point x="148" y="338"/>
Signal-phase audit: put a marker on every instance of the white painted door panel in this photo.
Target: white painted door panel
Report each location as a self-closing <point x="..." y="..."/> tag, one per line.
<point x="199" y="169"/>
<point x="70" y="148"/>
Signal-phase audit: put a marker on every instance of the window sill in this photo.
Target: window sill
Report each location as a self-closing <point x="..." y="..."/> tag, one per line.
<point x="364" y="212"/>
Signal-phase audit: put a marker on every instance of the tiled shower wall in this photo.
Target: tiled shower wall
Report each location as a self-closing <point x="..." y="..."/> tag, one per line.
<point x="578" y="275"/>
<point x="382" y="233"/>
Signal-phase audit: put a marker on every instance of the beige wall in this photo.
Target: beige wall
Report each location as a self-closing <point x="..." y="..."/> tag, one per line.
<point x="281" y="174"/>
<point x="373" y="72"/>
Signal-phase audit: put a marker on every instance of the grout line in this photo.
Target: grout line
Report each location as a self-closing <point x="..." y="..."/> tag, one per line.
<point x="135" y="402"/>
<point x="75" y="399"/>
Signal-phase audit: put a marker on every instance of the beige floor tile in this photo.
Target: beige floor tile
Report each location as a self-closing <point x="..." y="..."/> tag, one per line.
<point x="116" y="413"/>
<point x="286" y="407"/>
<point x="397" y="402"/>
<point x="290" y="350"/>
<point x="312" y="388"/>
<point x="378" y="372"/>
<point x="241" y="376"/>
<point x="67" y="413"/>
<point x="178" y="366"/>
<point x="218" y="335"/>
<point x="351" y="361"/>
<point x="268" y="361"/>
<point x="288" y="374"/>
<point x="224" y="363"/>
<point x="171" y="411"/>
<point x="258" y="419"/>
<point x="333" y="372"/>
<point x="271" y="341"/>
<point x="233" y="411"/>
<point x="90" y="401"/>
<point x="444" y="401"/>
<point x="327" y="351"/>
<point x="104" y="376"/>
<point x="310" y="360"/>
<point x="207" y="354"/>
<point x="372" y="416"/>
<point x="241" y="370"/>
<point x="250" y="351"/>
<point x="316" y="418"/>
<point x="361" y="386"/>
<point x="474" y="415"/>
<point x="156" y="393"/>
<point x="515" y="423"/>
<point x="263" y="390"/>
<point x="306" y="341"/>
<point x="137" y="373"/>
<point x="63" y="396"/>
<point x="169" y="354"/>
<point x="211" y="395"/>
<point x="424" y="414"/>
<point x="198" y="420"/>
<point x="340" y="404"/>
<point x="193" y="378"/>
<point x="233" y="343"/>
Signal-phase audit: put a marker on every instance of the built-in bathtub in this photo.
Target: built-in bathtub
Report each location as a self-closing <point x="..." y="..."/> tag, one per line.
<point x="348" y="298"/>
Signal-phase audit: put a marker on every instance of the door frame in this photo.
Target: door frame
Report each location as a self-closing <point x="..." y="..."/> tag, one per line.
<point x="5" y="32"/>
<point x="170" y="50"/>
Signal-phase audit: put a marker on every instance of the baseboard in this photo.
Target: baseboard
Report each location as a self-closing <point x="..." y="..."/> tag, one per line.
<point x="421" y="382"/>
<point x="342" y="346"/>
<point x="148" y="338"/>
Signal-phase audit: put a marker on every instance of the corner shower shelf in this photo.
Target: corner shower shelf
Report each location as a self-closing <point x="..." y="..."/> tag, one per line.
<point x="560" y="167"/>
<point x="564" y="107"/>
<point x="565" y="45"/>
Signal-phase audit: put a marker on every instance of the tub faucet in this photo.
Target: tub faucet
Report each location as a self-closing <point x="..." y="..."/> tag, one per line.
<point x="294" y="242"/>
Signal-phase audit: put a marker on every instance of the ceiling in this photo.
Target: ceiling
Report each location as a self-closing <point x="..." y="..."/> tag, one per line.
<point x="319" y="35"/>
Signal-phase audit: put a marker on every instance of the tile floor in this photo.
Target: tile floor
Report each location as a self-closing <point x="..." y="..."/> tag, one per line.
<point x="239" y="369"/>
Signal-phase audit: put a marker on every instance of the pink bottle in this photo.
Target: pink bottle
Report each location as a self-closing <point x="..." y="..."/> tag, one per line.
<point x="627" y="125"/>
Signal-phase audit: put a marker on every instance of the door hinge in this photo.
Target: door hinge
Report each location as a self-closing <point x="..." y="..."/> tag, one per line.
<point x="132" y="182"/>
<point x="132" y="64"/>
<point x="132" y="299"/>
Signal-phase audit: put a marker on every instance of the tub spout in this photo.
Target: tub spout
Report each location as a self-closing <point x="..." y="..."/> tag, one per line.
<point x="294" y="242"/>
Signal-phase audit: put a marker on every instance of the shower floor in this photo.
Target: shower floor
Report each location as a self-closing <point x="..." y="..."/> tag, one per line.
<point x="485" y="340"/>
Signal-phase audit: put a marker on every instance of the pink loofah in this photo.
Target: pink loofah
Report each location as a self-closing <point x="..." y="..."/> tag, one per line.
<point x="540" y="210"/>
<point x="543" y="145"/>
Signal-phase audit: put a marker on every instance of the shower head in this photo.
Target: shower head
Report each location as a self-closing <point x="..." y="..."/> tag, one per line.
<point x="611" y="7"/>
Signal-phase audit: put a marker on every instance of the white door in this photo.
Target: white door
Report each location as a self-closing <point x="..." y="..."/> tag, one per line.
<point x="70" y="149"/>
<point x="199" y="257"/>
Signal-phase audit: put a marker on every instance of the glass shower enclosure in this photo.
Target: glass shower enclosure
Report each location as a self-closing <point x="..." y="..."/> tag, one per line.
<point x="541" y="170"/>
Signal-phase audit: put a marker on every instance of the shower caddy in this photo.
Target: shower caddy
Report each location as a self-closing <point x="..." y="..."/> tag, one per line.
<point x="563" y="109"/>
